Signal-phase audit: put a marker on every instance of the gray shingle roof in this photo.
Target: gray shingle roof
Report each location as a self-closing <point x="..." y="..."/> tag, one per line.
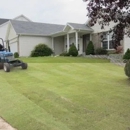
<point x="80" y="26"/>
<point x="3" y="21"/>
<point x="33" y="28"/>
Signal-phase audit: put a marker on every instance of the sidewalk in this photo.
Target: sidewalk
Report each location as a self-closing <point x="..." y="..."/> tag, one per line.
<point x="5" y="126"/>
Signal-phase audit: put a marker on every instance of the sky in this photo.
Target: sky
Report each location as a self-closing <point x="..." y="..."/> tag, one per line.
<point x="45" y="11"/>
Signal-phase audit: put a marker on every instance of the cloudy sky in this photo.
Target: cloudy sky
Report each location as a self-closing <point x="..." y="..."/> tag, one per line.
<point x="47" y="11"/>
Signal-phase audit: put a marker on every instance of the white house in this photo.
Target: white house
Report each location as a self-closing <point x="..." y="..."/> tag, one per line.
<point x="23" y="35"/>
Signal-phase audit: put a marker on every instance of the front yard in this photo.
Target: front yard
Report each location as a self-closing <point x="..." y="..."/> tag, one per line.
<point x="59" y="93"/>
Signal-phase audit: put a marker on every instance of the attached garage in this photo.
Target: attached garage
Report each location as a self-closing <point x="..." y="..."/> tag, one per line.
<point x="13" y="47"/>
<point x="30" y="34"/>
<point x="27" y="43"/>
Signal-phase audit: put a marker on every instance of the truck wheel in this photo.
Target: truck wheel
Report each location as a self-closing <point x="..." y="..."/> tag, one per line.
<point x="24" y="65"/>
<point x="6" y="67"/>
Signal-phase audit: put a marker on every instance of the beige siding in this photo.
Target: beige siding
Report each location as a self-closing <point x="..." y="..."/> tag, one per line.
<point x="3" y="31"/>
<point x="12" y="37"/>
<point x="12" y="33"/>
<point x="96" y="39"/>
<point x="71" y="31"/>
<point x="27" y="43"/>
<point x="13" y="47"/>
<point x="58" y="45"/>
<point x="126" y="43"/>
<point x="97" y="27"/>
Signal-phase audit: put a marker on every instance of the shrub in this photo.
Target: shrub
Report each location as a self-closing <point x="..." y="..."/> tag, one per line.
<point x="73" y="50"/>
<point x="101" y="51"/>
<point x="127" y="68"/>
<point x="90" y="48"/>
<point x="64" y="54"/>
<point x="127" y="54"/>
<point x="16" y="55"/>
<point x="41" y="50"/>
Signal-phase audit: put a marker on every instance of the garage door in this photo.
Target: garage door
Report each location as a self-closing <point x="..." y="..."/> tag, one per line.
<point x="13" y="47"/>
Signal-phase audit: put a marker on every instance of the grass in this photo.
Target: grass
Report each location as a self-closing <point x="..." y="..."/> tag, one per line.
<point x="66" y="94"/>
<point x="63" y="60"/>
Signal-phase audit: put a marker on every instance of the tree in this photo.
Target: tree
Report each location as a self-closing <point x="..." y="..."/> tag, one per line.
<point x="105" y="11"/>
<point x="127" y="68"/>
<point x="73" y="50"/>
<point x="127" y="54"/>
<point x="90" y="48"/>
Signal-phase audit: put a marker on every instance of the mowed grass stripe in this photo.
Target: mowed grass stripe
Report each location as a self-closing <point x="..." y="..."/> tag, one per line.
<point x="64" y="60"/>
<point x="18" y="110"/>
<point x="83" y="97"/>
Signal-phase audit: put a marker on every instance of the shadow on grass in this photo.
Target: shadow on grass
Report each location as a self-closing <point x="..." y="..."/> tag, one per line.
<point x="63" y="60"/>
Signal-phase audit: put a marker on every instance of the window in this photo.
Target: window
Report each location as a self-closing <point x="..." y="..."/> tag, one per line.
<point x="107" y="41"/>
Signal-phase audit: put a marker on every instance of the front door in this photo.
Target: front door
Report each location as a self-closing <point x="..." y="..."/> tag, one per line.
<point x="86" y="39"/>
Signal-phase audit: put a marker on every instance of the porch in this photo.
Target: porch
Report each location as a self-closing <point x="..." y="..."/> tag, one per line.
<point x="63" y="42"/>
<point x="79" y="34"/>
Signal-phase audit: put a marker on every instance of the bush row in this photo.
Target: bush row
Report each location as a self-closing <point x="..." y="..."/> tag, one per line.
<point x="89" y="51"/>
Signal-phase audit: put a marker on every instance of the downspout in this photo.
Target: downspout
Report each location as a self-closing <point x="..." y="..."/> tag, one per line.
<point x="18" y="44"/>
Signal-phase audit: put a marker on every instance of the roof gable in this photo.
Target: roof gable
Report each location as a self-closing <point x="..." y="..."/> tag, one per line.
<point x="22" y="18"/>
<point x="77" y="26"/>
<point x="67" y="28"/>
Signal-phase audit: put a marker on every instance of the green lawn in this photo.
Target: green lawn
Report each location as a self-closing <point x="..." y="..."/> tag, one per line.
<point x="66" y="94"/>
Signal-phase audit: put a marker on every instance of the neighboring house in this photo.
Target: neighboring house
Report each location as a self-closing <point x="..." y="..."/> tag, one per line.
<point x="23" y="35"/>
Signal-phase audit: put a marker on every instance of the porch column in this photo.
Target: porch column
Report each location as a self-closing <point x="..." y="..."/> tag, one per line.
<point x="76" y="35"/>
<point x="108" y="37"/>
<point x="68" y="44"/>
<point x="90" y="37"/>
<point x="53" y="43"/>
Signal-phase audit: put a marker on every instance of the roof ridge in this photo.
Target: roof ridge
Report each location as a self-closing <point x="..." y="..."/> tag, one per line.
<point x="37" y="22"/>
<point x="76" y="23"/>
<point x="5" y="18"/>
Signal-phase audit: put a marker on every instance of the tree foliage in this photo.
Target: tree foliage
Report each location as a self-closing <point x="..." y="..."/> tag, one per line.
<point x="90" y="48"/>
<point x="127" y="68"/>
<point x="41" y="50"/>
<point x="73" y="50"/>
<point x="127" y="54"/>
<point x="105" y="11"/>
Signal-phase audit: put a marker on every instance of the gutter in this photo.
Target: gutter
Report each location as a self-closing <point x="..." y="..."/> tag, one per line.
<point x="18" y="48"/>
<point x="24" y="34"/>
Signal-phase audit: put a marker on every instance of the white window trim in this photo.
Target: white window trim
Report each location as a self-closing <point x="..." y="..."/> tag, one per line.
<point x="108" y="42"/>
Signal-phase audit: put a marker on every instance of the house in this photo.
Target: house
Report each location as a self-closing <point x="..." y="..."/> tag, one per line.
<point x="23" y="35"/>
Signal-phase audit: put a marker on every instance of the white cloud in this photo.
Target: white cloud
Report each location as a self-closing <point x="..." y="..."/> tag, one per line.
<point x="49" y="11"/>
